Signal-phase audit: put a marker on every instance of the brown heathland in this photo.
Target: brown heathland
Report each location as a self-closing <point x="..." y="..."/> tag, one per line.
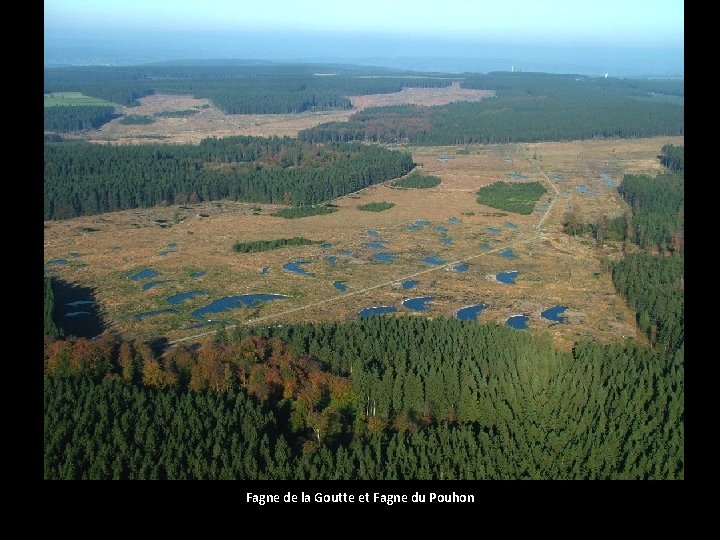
<point x="554" y="268"/>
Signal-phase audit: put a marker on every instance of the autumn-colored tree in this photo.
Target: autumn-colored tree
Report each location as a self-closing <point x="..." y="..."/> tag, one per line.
<point x="126" y="361"/>
<point x="152" y="374"/>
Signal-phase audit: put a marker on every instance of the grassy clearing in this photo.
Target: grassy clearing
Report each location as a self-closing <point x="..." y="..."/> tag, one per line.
<point x="268" y="245"/>
<point x="417" y="180"/>
<point x="376" y="206"/>
<point x="304" y="211"/>
<point x="519" y="198"/>
<point x="59" y="99"/>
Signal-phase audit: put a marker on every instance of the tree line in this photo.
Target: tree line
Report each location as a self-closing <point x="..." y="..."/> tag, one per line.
<point x="66" y="118"/>
<point x="82" y="179"/>
<point x="375" y="398"/>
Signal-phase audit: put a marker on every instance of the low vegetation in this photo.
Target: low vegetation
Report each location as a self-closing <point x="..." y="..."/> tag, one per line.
<point x="376" y="206"/>
<point x="304" y="211"/>
<point x="417" y="180"/>
<point x="267" y="245"/>
<point x="518" y="197"/>
<point x="177" y="114"/>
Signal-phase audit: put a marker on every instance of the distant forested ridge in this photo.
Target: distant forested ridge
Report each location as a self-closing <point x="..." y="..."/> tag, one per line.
<point x="528" y="107"/>
<point x="83" y="179"/>
<point x="238" y="89"/>
<point x="386" y="398"/>
<point x="65" y="118"/>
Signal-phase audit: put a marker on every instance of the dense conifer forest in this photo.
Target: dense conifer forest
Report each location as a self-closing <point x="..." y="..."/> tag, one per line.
<point x="82" y="179"/>
<point x="66" y="118"/>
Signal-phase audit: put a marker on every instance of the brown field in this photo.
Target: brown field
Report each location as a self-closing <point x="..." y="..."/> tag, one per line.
<point x="211" y="122"/>
<point x="554" y="268"/>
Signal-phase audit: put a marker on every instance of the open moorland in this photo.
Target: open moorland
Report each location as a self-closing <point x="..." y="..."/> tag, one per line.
<point x="210" y="121"/>
<point x="190" y="247"/>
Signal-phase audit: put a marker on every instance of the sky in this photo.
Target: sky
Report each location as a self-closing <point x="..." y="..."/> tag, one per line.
<point x="287" y="28"/>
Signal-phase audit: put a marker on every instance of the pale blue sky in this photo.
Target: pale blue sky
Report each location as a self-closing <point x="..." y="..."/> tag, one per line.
<point x="618" y="23"/>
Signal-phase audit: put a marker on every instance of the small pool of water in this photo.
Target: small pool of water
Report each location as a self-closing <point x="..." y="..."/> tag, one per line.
<point x="376" y="245"/>
<point x="340" y="286"/>
<point x="554" y="314"/>
<point x="196" y="275"/>
<point x="81" y="303"/>
<point x="188" y="295"/>
<point x="345" y="252"/>
<point x="419" y="303"/>
<point x="154" y="313"/>
<point x="517" y="176"/>
<point x="372" y="233"/>
<point x="296" y="267"/>
<point x="446" y="240"/>
<point x="518" y="322"/>
<point x="376" y="310"/>
<point x="507" y="277"/>
<point x="326" y="245"/>
<point x="508" y="253"/>
<point x="605" y="176"/>
<point x="442" y="229"/>
<point x="145" y="274"/>
<point x="57" y="262"/>
<point x="485" y="246"/>
<point x="78" y="313"/>
<point x="418" y="225"/>
<point x="409" y="284"/>
<point x="462" y="267"/>
<point x="510" y="225"/>
<point x="433" y="259"/>
<point x="610" y="183"/>
<point x="172" y="246"/>
<point x="153" y="284"/>
<point x="385" y="257"/>
<point x="454" y="220"/>
<point x="470" y="313"/>
<point x="234" y="302"/>
<point x="492" y="230"/>
<point x="265" y="271"/>
<point x="75" y="255"/>
<point x="331" y="260"/>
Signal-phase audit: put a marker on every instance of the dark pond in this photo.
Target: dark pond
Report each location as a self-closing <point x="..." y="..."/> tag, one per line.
<point x="373" y="233"/>
<point x="234" y="302"/>
<point x="376" y="310"/>
<point x="331" y="260"/>
<point x="340" y="286"/>
<point x="492" y="230"/>
<point x="470" y="313"/>
<point x="75" y="255"/>
<point x="454" y="220"/>
<point x="442" y="229"/>
<point x="345" y="252"/>
<point x="417" y="304"/>
<point x="196" y="275"/>
<point x="462" y="267"/>
<point x="510" y="225"/>
<point x="296" y="266"/>
<point x="326" y="245"/>
<point x="508" y="253"/>
<point x="154" y="313"/>
<point x="409" y="284"/>
<point x="172" y="245"/>
<point x="446" y="240"/>
<point x="433" y="259"/>
<point x="265" y="270"/>
<point x="485" y="246"/>
<point x="385" y="257"/>
<point x="188" y="295"/>
<point x="145" y="274"/>
<point x="554" y="314"/>
<point x="507" y="277"/>
<point x="518" y="322"/>
<point x="57" y="262"/>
